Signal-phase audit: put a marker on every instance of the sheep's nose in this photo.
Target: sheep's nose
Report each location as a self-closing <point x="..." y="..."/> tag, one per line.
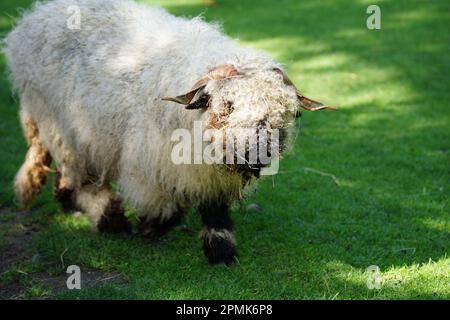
<point x="262" y="125"/>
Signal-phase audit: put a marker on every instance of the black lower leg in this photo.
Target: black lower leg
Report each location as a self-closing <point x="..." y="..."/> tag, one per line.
<point x="217" y="234"/>
<point x="63" y="195"/>
<point x="158" y="227"/>
<point x="113" y="219"/>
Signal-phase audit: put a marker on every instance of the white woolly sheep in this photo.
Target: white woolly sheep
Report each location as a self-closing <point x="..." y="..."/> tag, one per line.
<point x="93" y="99"/>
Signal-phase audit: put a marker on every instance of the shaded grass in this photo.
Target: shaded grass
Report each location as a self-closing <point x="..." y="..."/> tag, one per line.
<point x="388" y="146"/>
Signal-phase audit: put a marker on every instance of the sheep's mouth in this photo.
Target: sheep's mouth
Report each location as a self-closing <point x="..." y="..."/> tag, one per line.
<point x="248" y="170"/>
<point x="254" y="158"/>
<point x="245" y="170"/>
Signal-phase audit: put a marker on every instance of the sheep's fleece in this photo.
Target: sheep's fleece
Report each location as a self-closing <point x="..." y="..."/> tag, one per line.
<point x="92" y="100"/>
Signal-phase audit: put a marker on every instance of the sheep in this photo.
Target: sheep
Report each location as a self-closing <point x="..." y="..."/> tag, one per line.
<point x="102" y="100"/>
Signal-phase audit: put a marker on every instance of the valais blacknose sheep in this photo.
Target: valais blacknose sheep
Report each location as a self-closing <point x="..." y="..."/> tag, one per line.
<point x="104" y="84"/>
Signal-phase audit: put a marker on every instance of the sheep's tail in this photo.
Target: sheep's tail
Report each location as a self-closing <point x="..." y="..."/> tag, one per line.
<point x="32" y="175"/>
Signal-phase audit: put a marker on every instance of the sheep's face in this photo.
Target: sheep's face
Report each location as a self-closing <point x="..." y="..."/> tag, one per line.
<point x="252" y="99"/>
<point x="256" y="106"/>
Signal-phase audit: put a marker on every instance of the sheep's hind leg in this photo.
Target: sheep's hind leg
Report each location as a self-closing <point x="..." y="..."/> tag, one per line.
<point x="217" y="236"/>
<point x="103" y="208"/>
<point x="32" y="175"/>
<point x="64" y="193"/>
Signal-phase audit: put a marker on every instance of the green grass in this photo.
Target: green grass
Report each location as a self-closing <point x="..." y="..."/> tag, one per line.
<point x="388" y="147"/>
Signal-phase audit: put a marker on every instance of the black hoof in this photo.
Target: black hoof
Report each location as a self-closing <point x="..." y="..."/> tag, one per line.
<point x="64" y="195"/>
<point x="219" y="250"/>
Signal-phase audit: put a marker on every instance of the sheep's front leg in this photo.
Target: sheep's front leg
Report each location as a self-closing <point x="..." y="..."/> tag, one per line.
<point x="219" y="244"/>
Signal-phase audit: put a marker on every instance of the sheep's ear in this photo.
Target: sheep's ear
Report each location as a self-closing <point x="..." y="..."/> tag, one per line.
<point x="202" y="102"/>
<point x="305" y="102"/>
<point x="186" y="98"/>
<point x="196" y="98"/>
<point x="311" y="105"/>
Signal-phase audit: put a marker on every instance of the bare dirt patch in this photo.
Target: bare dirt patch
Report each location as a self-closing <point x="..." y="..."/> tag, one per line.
<point x="18" y="289"/>
<point x="16" y="237"/>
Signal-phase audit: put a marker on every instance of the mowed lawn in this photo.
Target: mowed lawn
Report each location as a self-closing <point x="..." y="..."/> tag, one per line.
<point x="368" y="185"/>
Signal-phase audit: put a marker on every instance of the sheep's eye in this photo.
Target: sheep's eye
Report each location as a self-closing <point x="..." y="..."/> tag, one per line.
<point x="200" y="103"/>
<point x="229" y="107"/>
